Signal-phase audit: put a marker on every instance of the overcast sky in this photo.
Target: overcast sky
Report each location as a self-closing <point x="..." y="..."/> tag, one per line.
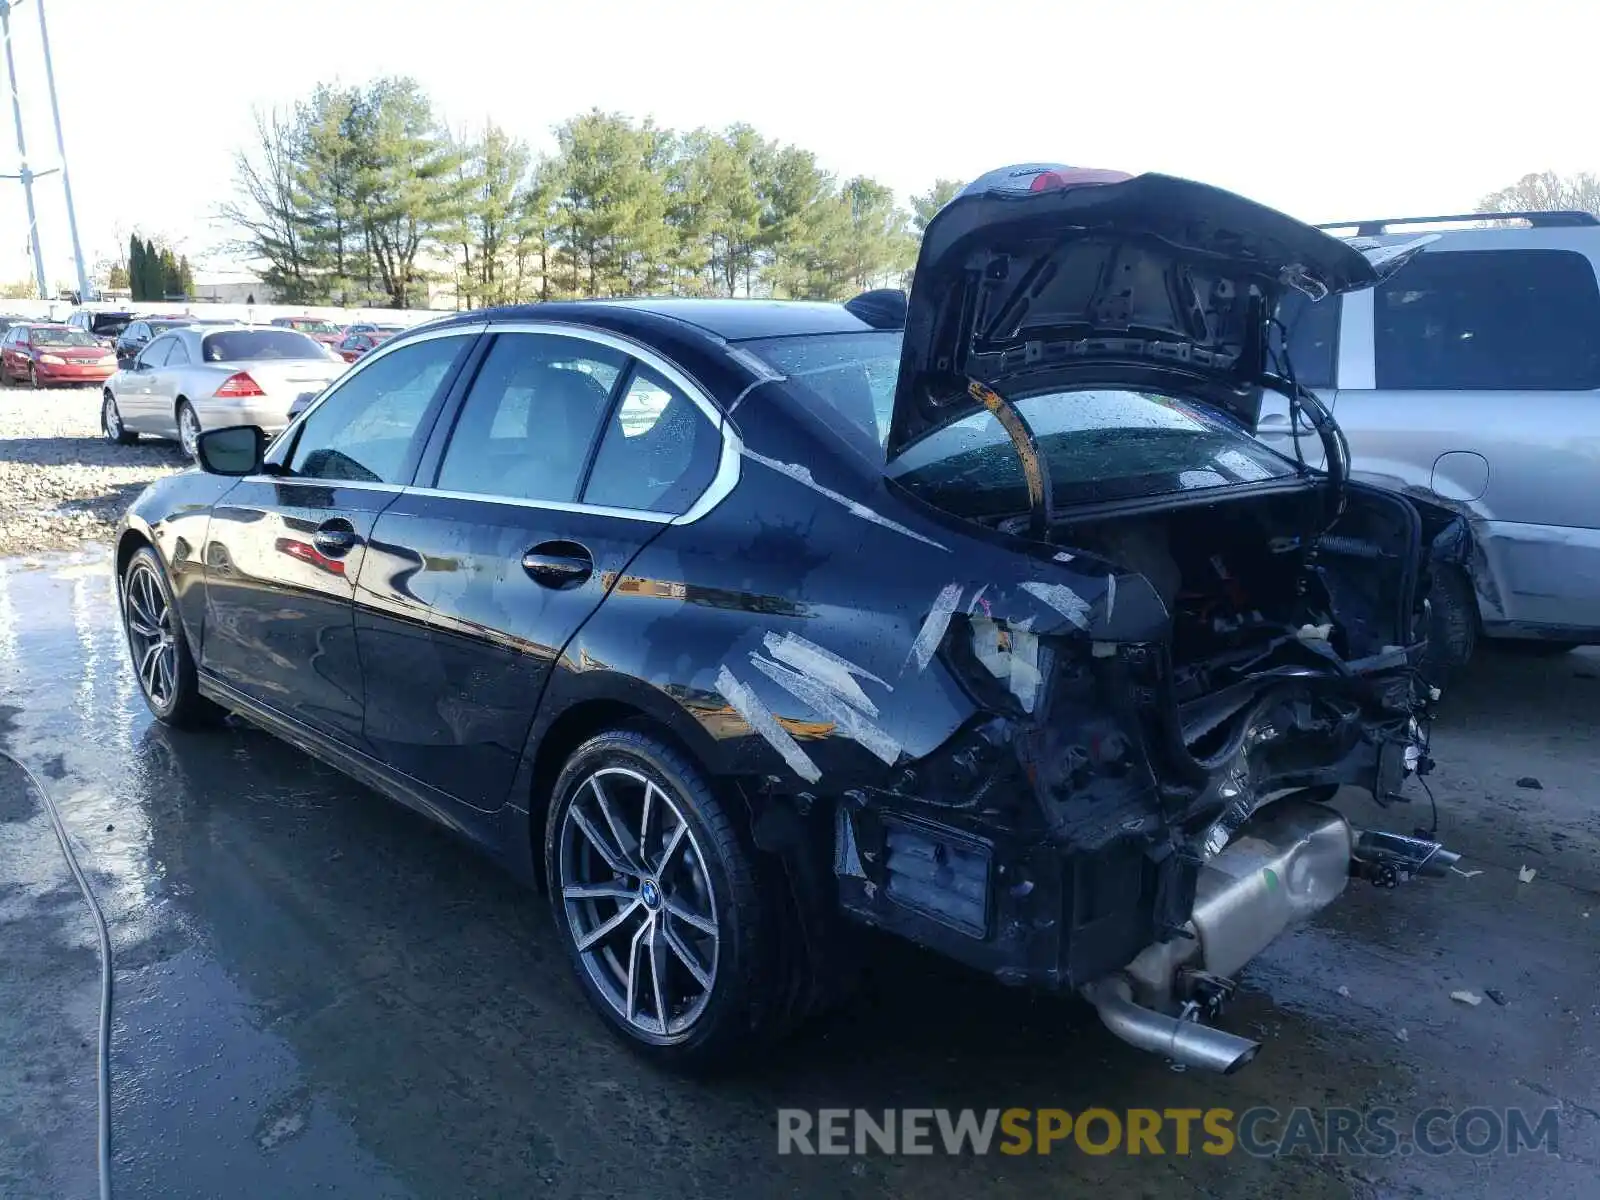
<point x="1328" y="109"/>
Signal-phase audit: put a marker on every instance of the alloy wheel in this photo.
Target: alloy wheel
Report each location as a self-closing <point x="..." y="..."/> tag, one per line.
<point x="33" y="376"/>
<point x="151" y="634"/>
<point x="639" y="902"/>
<point x="189" y="431"/>
<point x="110" y="418"/>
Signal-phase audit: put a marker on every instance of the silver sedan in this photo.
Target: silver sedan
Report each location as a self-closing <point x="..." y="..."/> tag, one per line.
<point x="204" y="377"/>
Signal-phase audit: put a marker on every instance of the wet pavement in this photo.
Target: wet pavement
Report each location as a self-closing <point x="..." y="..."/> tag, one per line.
<point x="319" y="993"/>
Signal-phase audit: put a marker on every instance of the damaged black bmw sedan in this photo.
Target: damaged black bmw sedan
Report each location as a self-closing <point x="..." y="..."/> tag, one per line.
<point x="981" y="619"/>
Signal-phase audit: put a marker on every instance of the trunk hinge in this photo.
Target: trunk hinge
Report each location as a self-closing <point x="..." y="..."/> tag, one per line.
<point x="1034" y="469"/>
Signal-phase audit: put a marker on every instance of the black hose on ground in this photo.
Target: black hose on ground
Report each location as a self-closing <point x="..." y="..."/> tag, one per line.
<point x="103" y="1063"/>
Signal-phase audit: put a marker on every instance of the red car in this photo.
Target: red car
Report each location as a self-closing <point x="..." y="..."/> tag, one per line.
<point x="324" y="331"/>
<point x="354" y="345"/>
<point x="46" y="354"/>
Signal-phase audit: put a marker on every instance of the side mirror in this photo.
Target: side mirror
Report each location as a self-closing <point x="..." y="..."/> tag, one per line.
<point x="236" y="450"/>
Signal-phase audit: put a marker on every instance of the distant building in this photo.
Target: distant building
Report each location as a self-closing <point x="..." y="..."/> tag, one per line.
<point x="234" y="287"/>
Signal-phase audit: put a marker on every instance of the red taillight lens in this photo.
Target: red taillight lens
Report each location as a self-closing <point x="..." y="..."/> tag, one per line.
<point x="1065" y="177"/>
<point x="240" y="385"/>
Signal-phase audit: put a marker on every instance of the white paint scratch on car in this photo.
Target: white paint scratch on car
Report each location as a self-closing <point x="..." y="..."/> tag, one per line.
<point x="1061" y="598"/>
<point x="759" y="717"/>
<point x="838" y="673"/>
<point x="938" y="620"/>
<point x="803" y="475"/>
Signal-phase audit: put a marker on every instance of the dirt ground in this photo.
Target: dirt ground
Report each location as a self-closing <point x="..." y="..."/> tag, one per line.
<point x="61" y="482"/>
<point x="318" y="992"/>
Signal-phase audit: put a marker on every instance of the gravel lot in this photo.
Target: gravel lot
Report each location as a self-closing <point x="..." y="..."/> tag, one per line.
<point x="62" y="483"/>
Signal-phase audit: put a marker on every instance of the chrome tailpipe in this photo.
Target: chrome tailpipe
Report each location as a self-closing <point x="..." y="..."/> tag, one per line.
<point x="1183" y="1041"/>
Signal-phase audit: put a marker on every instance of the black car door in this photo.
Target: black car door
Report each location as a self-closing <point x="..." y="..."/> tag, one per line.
<point x="532" y="508"/>
<point x="284" y="548"/>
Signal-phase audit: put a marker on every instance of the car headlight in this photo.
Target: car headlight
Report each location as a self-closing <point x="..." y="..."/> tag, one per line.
<point x="54" y="360"/>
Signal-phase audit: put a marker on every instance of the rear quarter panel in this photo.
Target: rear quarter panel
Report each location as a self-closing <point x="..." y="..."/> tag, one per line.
<point x="812" y="560"/>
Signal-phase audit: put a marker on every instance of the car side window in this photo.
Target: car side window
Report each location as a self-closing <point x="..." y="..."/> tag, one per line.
<point x="178" y="356"/>
<point x="528" y="423"/>
<point x="1489" y="320"/>
<point x="1311" y="333"/>
<point x="659" y="453"/>
<point x="155" y="354"/>
<point x="365" y="430"/>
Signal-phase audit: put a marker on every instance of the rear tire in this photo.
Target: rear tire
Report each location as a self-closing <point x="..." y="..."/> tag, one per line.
<point x="682" y="898"/>
<point x="1452" y="626"/>
<point x="188" y="429"/>
<point x="162" y="661"/>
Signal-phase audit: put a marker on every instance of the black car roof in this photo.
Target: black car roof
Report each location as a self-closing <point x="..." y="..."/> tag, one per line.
<point x="730" y="320"/>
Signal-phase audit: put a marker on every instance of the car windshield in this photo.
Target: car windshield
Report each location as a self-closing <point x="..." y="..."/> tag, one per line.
<point x="307" y="326"/>
<point x="60" y="337"/>
<point x="109" y="324"/>
<point x="241" y="345"/>
<point x="1099" y="444"/>
<point x="161" y="326"/>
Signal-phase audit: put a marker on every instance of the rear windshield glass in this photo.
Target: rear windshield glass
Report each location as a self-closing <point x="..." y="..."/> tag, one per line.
<point x="60" y="337"/>
<point x="309" y="325"/>
<point x="162" y="326"/>
<point x="851" y="373"/>
<point x="241" y="345"/>
<point x="1101" y="445"/>
<point x="109" y="324"/>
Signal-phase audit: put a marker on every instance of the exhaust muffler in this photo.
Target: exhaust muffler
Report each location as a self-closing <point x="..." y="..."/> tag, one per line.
<point x="1289" y="861"/>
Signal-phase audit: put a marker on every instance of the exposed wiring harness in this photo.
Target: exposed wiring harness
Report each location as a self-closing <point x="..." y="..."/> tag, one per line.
<point x="103" y="1058"/>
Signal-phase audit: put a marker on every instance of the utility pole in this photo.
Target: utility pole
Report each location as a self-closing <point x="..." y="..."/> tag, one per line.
<point x="26" y="176"/>
<point x="84" y="291"/>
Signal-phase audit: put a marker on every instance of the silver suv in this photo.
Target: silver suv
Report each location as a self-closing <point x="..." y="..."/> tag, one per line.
<point x="1472" y="379"/>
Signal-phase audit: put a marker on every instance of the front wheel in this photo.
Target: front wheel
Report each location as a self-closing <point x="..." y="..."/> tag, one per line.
<point x="655" y="898"/>
<point x="161" y="656"/>
<point x="188" y="429"/>
<point x="111" y="422"/>
<point x="33" y="377"/>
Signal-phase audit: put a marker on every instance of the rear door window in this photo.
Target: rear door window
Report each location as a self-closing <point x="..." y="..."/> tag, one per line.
<point x="1489" y="320"/>
<point x="659" y="453"/>
<point x="527" y="426"/>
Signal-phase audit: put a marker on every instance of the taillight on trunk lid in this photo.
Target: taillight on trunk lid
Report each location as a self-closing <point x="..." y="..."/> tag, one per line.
<point x="239" y="385"/>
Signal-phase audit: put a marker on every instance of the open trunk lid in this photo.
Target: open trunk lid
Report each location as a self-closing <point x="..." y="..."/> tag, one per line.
<point x="1039" y="274"/>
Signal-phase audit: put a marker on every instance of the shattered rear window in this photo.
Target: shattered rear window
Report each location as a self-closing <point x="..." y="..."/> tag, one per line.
<point x="1100" y="445"/>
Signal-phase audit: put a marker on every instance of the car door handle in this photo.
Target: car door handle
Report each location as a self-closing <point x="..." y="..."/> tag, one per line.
<point x="558" y="565"/>
<point x="1280" y="427"/>
<point x="335" y="537"/>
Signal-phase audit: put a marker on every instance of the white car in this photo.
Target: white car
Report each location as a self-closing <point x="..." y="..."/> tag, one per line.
<point x="207" y="377"/>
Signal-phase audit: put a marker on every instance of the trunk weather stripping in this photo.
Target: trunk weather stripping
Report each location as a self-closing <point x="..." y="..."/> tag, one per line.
<point x="1035" y="471"/>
